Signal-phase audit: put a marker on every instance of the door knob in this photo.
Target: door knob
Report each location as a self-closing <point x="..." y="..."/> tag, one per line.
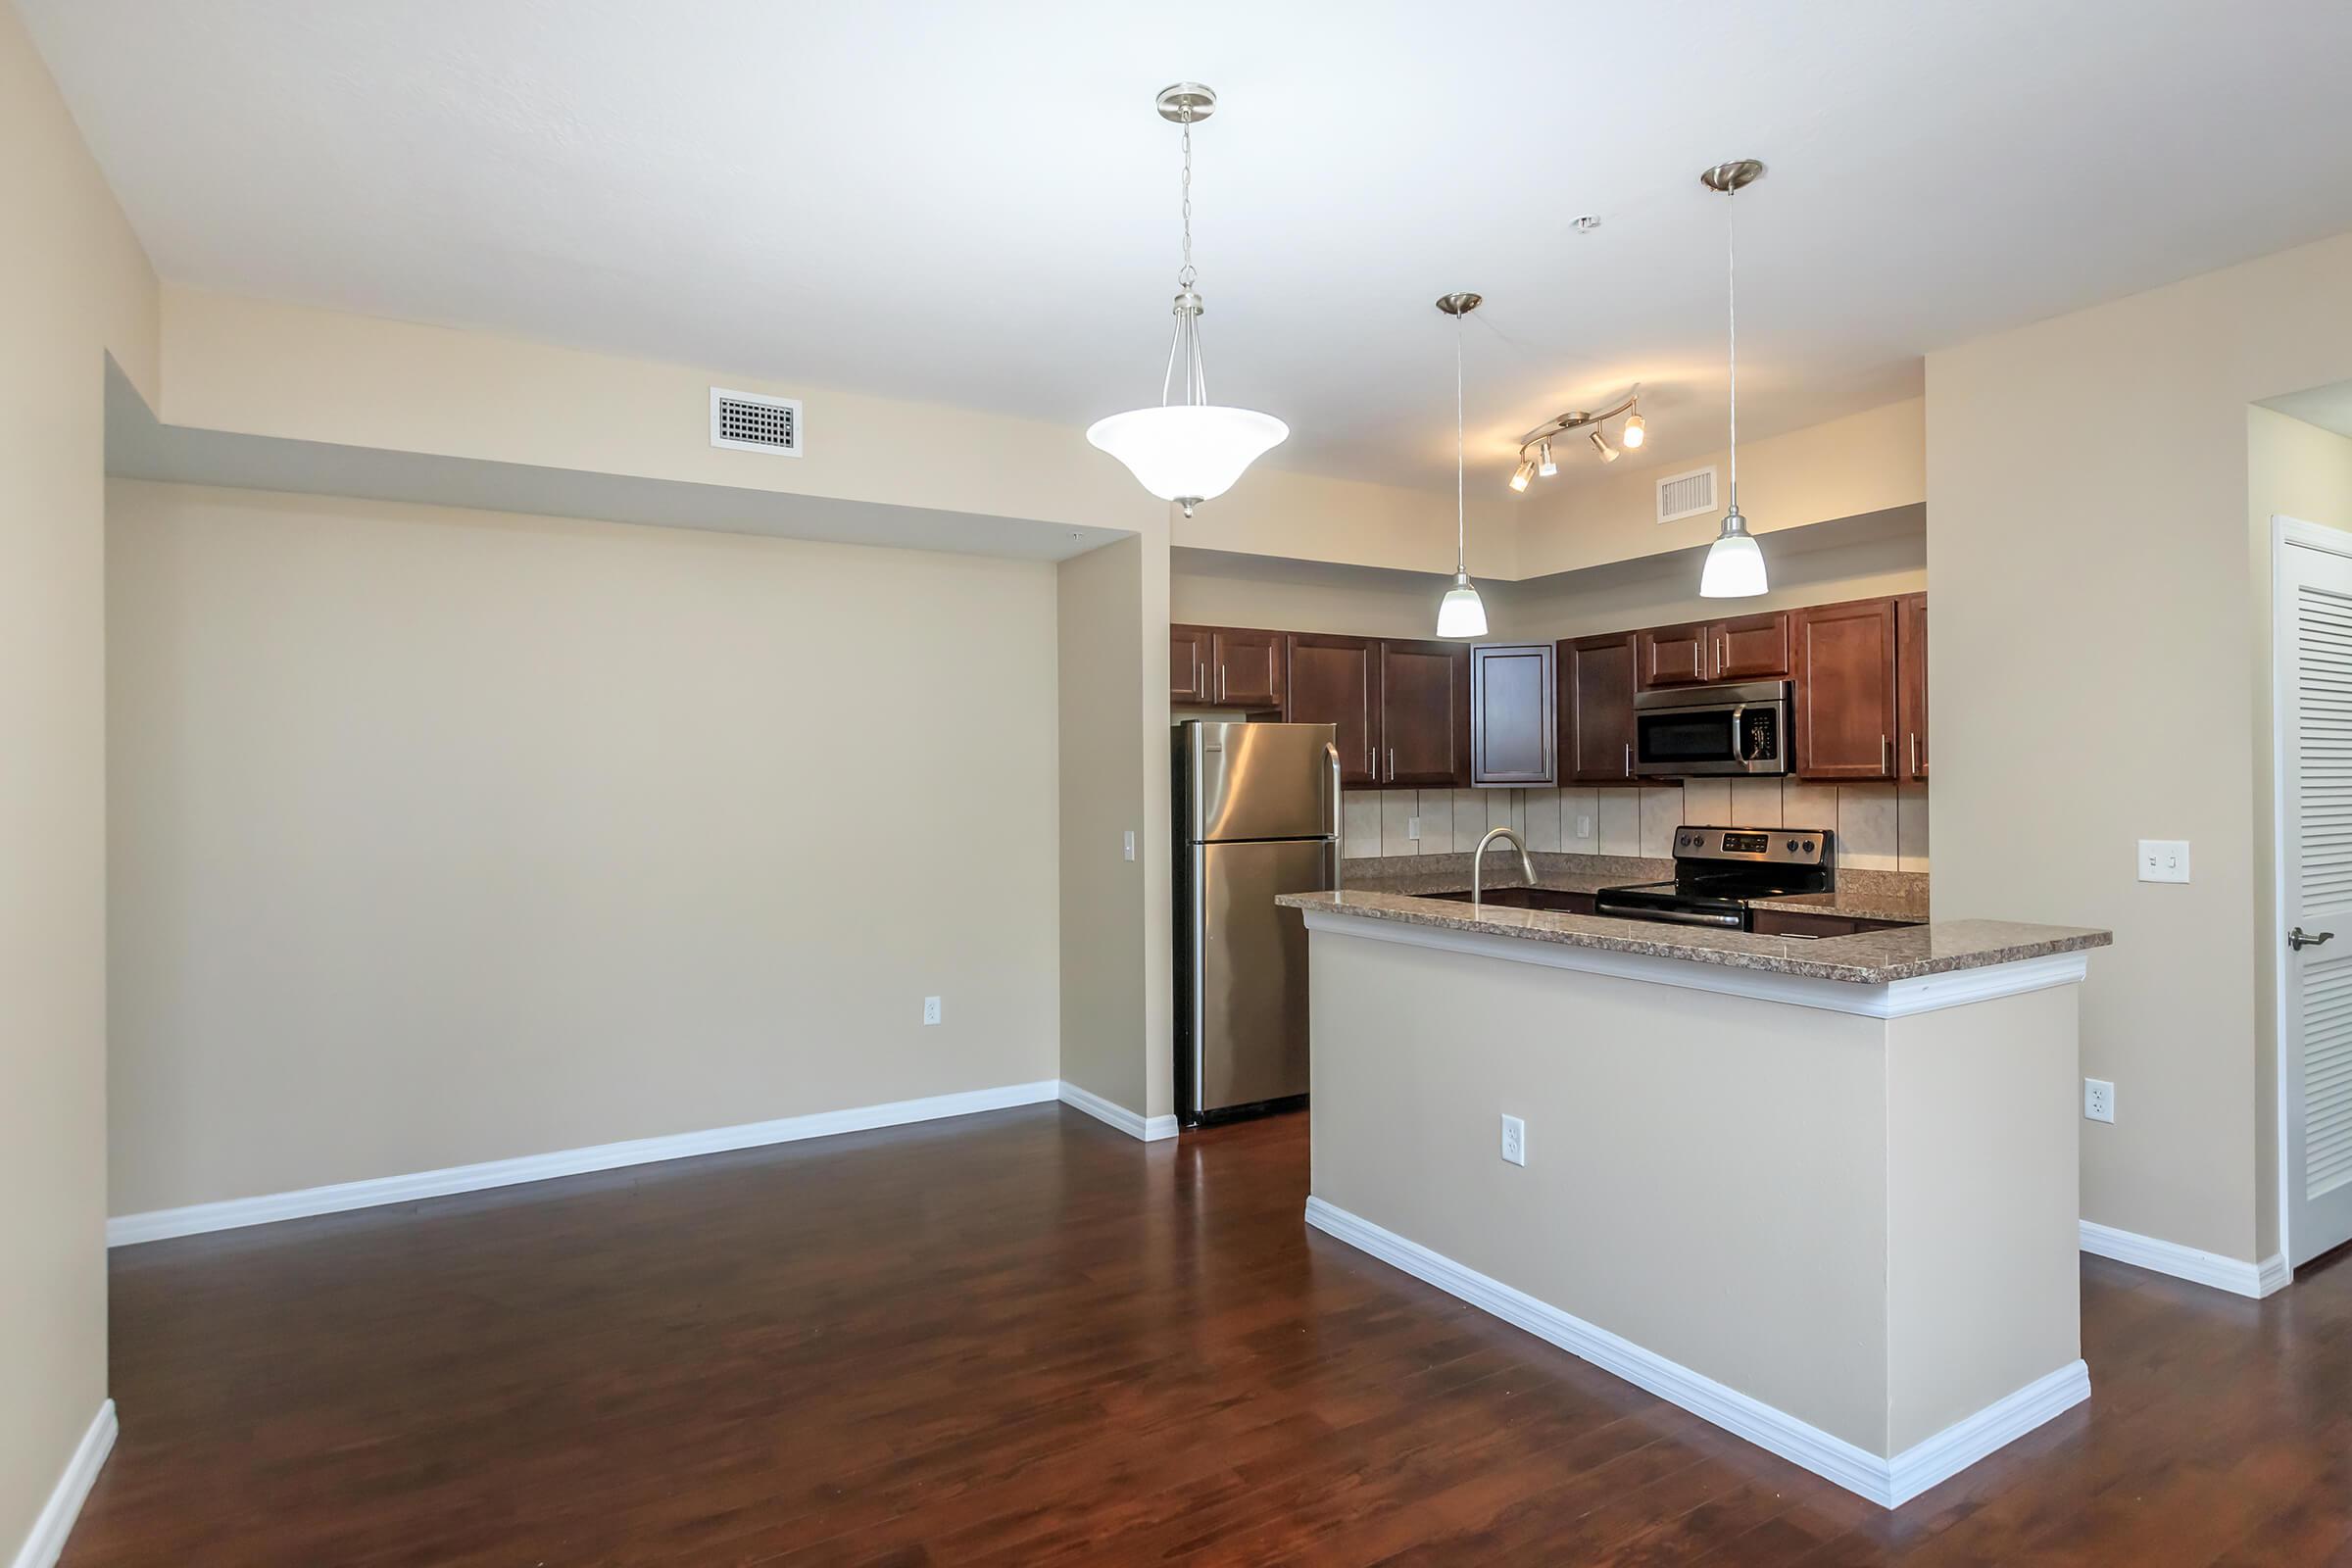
<point x="2298" y="940"/>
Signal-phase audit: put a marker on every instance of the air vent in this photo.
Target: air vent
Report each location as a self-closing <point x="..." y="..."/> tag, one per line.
<point x="750" y="424"/>
<point x="1686" y="495"/>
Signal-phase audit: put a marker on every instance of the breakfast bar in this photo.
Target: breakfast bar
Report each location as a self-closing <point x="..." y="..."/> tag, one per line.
<point x="1819" y="1192"/>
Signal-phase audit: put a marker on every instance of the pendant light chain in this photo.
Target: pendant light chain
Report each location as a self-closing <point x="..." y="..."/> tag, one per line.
<point x="1185" y="273"/>
<point x="1731" y="273"/>
<point x="1461" y="522"/>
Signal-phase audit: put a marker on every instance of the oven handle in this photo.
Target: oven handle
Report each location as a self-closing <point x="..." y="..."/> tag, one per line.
<point x="1634" y="912"/>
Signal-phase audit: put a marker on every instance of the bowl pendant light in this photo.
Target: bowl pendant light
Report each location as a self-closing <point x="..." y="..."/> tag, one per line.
<point x="1460" y="614"/>
<point x="1193" y="450"/>
<point x="1735" y="568"/>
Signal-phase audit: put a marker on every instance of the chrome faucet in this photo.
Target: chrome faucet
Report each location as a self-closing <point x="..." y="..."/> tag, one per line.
<point x="1478" y="861"/>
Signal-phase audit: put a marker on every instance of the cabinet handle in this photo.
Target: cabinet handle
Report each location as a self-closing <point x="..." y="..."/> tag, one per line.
<point x="1220" y="683"/>
<point x="1915" y="754"/>
<point x="1628" y="758"/>
<point x="1886" y="753"/>
<point x="1392" y="765"/>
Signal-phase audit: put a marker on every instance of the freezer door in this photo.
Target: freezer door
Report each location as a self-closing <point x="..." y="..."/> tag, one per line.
<point x="1250" y="995"/>
<point x="1258" y="781"/>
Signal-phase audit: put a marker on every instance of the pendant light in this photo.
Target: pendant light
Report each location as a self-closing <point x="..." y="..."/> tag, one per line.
<point x="1193" y="450"/>
<point x="1735" y="568"/>
<point x="1460" y="614"/>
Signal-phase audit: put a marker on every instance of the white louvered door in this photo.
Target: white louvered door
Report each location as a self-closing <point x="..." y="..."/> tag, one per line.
<point x="2315" y="632"/>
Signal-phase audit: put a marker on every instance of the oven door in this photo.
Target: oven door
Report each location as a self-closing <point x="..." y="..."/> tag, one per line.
<point x="1699" y="740"/>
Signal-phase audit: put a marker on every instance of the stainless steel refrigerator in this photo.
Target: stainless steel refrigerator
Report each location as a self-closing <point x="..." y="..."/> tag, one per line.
<point x="1258" y="813"/>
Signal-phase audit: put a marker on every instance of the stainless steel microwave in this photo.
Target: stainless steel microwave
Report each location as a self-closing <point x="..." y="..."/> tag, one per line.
<point x="1698" y="731"/>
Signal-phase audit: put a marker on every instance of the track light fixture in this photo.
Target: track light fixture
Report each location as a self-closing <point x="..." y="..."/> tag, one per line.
<point x="1593" y="422"/>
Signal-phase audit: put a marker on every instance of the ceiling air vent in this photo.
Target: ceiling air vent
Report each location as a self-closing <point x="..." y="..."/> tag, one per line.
<point x="752" y="424"/>
<point x="1686" y="495"/>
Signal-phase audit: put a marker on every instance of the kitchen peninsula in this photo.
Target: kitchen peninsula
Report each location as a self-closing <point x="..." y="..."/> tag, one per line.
<point x="1819" y="1190"/>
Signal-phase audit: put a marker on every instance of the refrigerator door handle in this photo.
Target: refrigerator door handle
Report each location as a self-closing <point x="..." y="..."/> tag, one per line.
<point x="1333" y="750"/>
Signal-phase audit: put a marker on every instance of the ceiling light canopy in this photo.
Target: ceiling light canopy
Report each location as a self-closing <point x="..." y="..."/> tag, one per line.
<point x="1462" y="613"/>
<point x="1192" y="450"/>
<point x="1594" y="422"/>
<point x="1735" y="568"/>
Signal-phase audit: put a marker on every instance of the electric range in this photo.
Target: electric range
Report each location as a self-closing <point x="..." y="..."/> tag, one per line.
<point x="1720" y="872"/>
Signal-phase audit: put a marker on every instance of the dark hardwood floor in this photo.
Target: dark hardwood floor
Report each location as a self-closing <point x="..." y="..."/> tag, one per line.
<point x="1022" y="1337"/>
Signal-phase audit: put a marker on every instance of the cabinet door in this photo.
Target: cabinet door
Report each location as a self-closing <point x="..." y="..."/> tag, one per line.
<point x="1248" y="667"/>
<point x="1424" y="712"/>
<point x="1749" y="648"/>
<point x="1188" y="664"/>
<point x="1336" y="681"/>
<point x="1845" y="693"/>
<point x="1596" y="708"/>
<point x="1513" y="728"/>
<point x="1673" y="656"/>
<point x="1911" y="671"/>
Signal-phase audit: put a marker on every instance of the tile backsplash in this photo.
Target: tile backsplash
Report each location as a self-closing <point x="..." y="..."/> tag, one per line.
<point x="1879" y="827"/>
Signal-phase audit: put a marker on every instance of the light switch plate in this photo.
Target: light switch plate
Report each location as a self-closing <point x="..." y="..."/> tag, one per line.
<point x="1584" y="827"/>
<point x="1412" y="828"/>
<point x="1131" y="844"/>
<point x="2163" y="859"/>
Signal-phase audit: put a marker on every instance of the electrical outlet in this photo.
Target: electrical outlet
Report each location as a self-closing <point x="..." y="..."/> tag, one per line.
<point x="1514" y="1139"/>
<point x="1584" y="827"/>
<point x="1131" y="844"/>
<point x="2098" y="1100"/>
<point x="1412" y="828"/>
<point x="2163" y="859"/>
<point x="930" y="1009"/>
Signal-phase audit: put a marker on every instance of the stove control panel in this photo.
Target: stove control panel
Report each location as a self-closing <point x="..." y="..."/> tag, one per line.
<point x="1754" y="846"/>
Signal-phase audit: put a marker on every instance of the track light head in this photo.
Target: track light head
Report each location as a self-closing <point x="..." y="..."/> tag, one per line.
<point x="1636" y="430"/>
<point x="1601" y="444"/>
<point x="1545" y="466"/>
<point x="1526" y="472"/>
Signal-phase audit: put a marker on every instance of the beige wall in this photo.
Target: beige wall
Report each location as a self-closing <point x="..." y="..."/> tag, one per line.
<point x="443" y="836"/>
<point x="1103" y="895"/>
<point x="2297" y="470"/>
<point x="76" y="287"/>
<point x="2097" y="592"/>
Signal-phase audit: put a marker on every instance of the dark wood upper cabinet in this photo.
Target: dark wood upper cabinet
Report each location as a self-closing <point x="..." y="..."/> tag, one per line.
<point x="1424" y="712"/>
<point x="1673" y="656"/>
<point x="1513" y="734"/>
<point x="1188" y="664"/>
<point x="1248" y="667"/>
<point x="1743" y="647"/>
<point x="1911" y="669"/>
<point x="1847" y="723"/>
<point x="1749" y="648"/>
<point x="1596" y="708"/>
<point x="1336" y="681"/>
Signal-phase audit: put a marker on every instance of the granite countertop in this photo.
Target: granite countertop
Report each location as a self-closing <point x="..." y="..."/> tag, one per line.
<point x="1867" y="958"/>
<point x="1859" y="896"/>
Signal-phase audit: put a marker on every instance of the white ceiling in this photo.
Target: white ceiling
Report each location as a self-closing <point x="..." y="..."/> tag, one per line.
<point x="974" y="202"/>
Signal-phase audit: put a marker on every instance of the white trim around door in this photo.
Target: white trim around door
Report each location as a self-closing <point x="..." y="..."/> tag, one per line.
<point x="2307" y="1225"/>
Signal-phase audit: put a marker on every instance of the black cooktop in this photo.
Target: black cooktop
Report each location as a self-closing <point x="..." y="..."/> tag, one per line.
<point x="1720" y="872"/>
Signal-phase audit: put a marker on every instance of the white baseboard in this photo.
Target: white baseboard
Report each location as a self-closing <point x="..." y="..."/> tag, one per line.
<point x="1889" y="1482"/>
<point x="2231" y="1274"/>
<point x="1151" y="1129"/>
<point x="158" y="1224"/>
<point x="47" y="1540"/>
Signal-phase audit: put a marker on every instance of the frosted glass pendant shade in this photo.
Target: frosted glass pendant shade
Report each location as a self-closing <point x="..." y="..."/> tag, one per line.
<point x="1735" y="568"/>
<point x="1462" y="612"/>
<point x="1188" y="450"/>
